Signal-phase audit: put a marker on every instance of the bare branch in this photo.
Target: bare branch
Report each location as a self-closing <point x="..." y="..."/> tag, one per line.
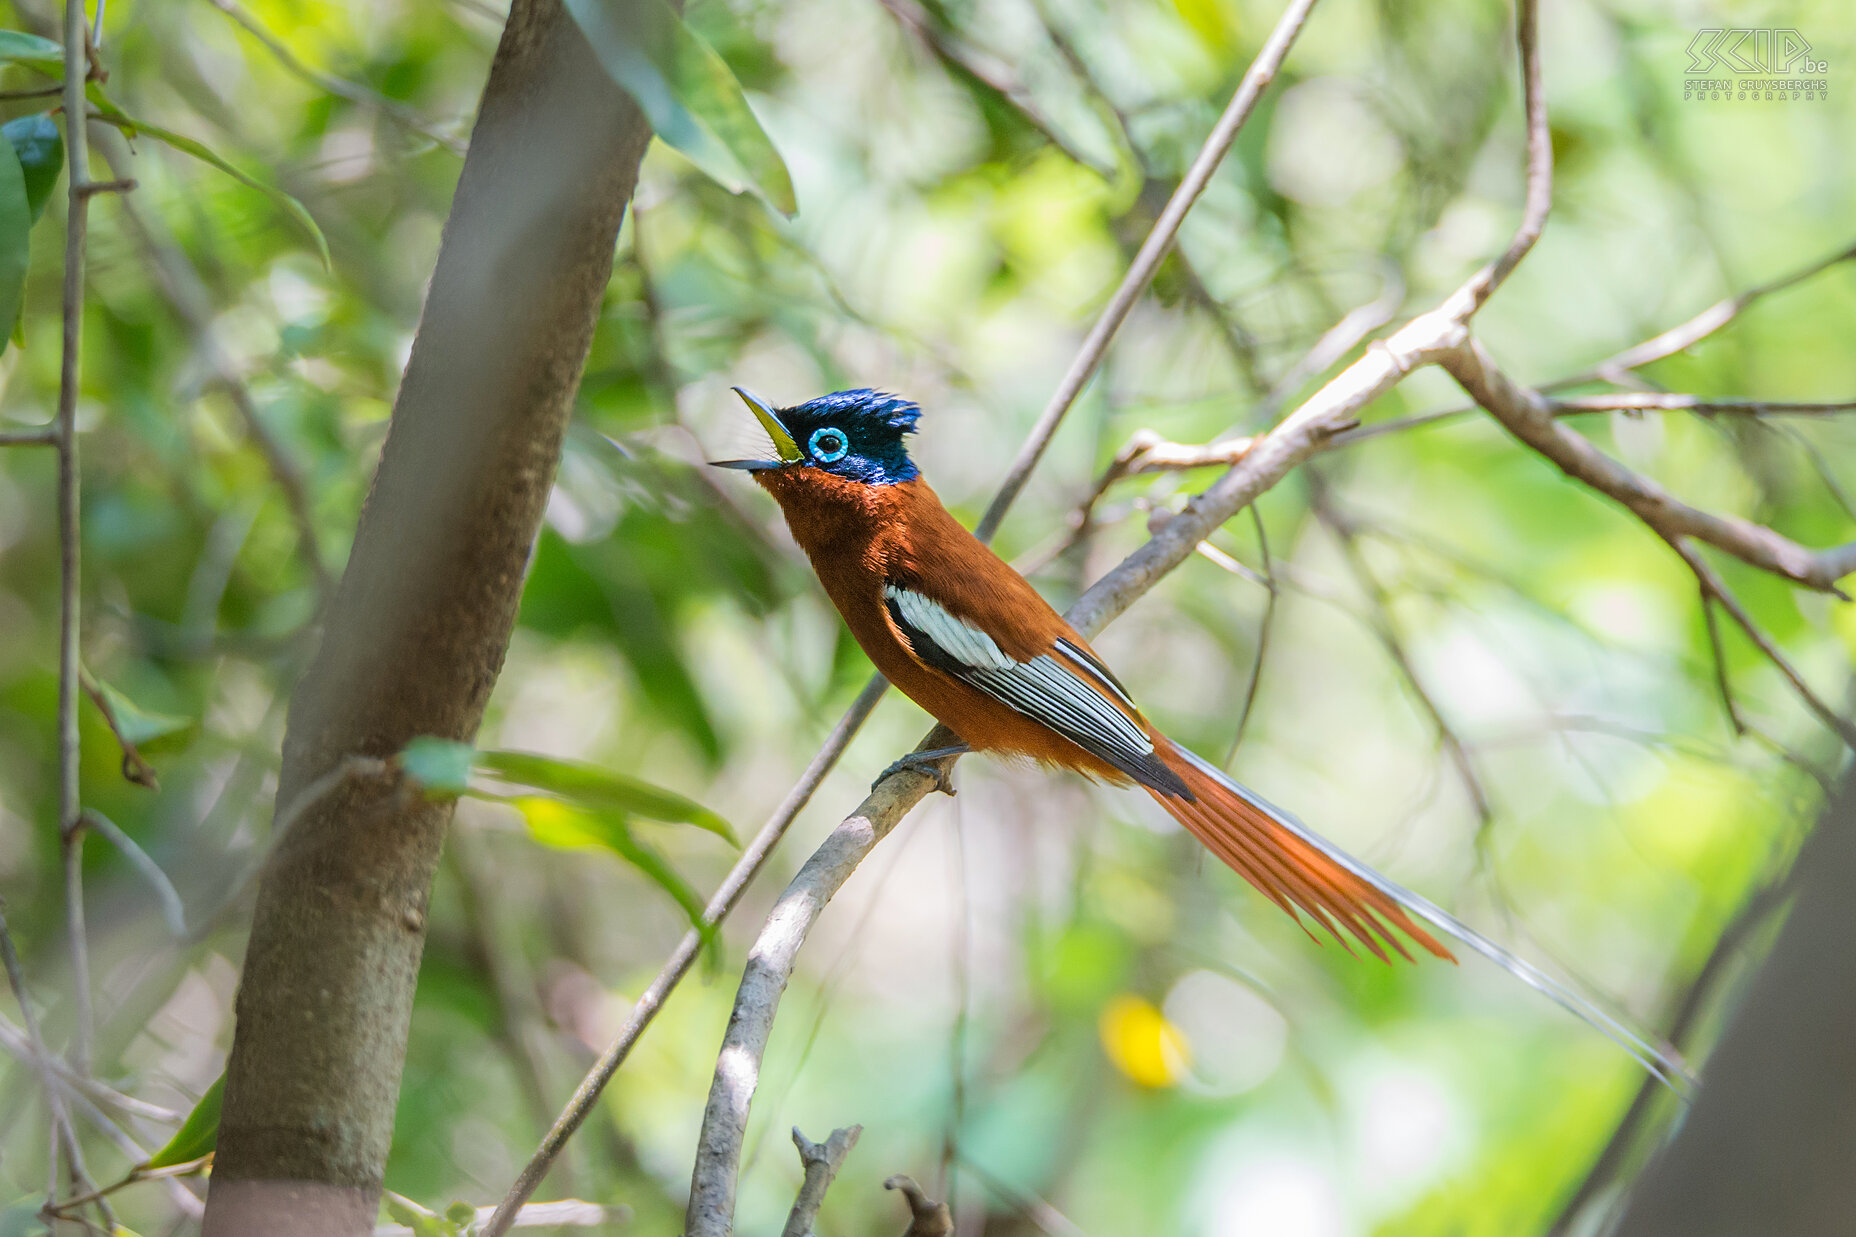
<point x="70" y="376"/>
<point x="43" y="436"/>
<point x="1634" y="401"/>
<point x="769" y="966"/>
<point x="1263" y="635"/>
<point x="1527" y="415"/>
<point x="564" y="1213"/>
<point x="1616" y="367"/>
<point x="1141" y="272"/>
<point x="822" y="1162"/>
<point x="1474" y="294"/>
<point x="1713" y="586"/>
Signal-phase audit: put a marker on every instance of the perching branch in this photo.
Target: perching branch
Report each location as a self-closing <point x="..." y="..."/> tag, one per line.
<point x="822" y="1162"/>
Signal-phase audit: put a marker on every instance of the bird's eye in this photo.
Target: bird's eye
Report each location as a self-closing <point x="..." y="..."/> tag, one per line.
<point x="829" y="445"/>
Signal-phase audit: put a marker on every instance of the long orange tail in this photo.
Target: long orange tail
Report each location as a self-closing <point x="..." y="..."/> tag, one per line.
<point x="1261" y="846"/>
<point x="1302" y="872"/>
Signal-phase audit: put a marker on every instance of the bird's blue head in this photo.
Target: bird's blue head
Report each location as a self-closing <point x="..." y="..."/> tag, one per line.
<point x="856" y="435"/>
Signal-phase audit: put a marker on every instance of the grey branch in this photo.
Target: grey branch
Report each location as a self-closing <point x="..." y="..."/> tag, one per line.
<point x="822" y="1162"/>
<point x="769" y="966"/>
<point x="1528" y="415"/>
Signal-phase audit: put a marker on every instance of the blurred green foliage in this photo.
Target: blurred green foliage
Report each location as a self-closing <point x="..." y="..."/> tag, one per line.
<point x="1035" y="990"/>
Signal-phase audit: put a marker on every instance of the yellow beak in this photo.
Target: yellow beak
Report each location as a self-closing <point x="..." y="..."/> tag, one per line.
<point x="783" y="443"/>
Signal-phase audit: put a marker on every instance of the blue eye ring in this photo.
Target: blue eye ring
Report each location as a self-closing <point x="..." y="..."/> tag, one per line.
<point x="828" y="445"/>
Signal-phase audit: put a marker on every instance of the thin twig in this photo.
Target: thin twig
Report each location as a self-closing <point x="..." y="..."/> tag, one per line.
<point x="1141" y="272"/>
<point x="1474" y="294"/>
<point x="1035" y="1211"/>
<point x="44" y="436"/>
<point x="822" y="1162"/>
<point x="341" y="88"/>
<point x="1718" y="655"/>
<point x="1637" y="401"/>
<point x="1526" y="414"/>
<point x="70" y="825"/>
<point x="172" y="909"/>
<point x="563" y="1213"/>
<point x="1382" y="627"/>
<point x="1263" y="635"/>
<point x="1702" y="325"/>
<point x="1713" y="586"/>
<point x="985" y="71"/>
<point x="16" y="1041"/>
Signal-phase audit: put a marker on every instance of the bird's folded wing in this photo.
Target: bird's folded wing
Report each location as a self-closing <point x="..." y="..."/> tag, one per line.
<point x="1066" y="689"/>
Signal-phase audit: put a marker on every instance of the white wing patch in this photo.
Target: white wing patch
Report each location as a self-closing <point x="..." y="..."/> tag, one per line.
<point x="958" y="638"/>
<point x="1043" y="688"/>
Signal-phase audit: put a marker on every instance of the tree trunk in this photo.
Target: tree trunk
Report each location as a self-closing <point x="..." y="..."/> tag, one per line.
<point x="1769" y="1145"/>
<point x="416" y="634"/>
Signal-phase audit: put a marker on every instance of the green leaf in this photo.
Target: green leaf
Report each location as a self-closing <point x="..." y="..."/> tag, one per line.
<point x="688" y="92"/>
<point x="18" y="47"/>
<point x="140" y="726"/>
<point x="461" y="1215"/>
<point x="15" y="232"/>
<point x="198" y="1134"/>
<point x="39" y="144"/>
<point x="109" y="113"/>
<point x="561" y="826"/>
<point x="441" y="766"/>
<point x="594" y="787"/>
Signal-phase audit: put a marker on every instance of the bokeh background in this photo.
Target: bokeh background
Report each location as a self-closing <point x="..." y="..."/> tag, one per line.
<point x="1037" y="994"/>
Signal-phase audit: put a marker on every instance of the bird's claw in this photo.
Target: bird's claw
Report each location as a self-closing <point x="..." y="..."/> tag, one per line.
<point x="921" y="762"/>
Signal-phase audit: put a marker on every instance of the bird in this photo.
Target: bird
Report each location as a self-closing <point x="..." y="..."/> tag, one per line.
<point x="960" y="632"/>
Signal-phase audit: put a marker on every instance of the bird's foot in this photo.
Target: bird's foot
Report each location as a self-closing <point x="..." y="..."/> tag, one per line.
<point x="926" y="762"/>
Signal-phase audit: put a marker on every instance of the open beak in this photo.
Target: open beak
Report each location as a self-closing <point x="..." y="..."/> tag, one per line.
<point x="784" y="447"/>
